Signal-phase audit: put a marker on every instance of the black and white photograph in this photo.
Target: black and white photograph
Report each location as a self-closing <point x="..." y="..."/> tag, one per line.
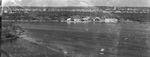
<point x="75" y="28"/>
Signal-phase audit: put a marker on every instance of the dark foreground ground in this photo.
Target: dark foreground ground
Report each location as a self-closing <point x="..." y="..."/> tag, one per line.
<point x="81" y="40"/>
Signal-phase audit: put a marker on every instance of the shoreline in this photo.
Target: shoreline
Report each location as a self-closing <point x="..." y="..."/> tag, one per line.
<point x="35" y="41"/>
<point x="71" y="22"/>
<point x="23" y="41"/>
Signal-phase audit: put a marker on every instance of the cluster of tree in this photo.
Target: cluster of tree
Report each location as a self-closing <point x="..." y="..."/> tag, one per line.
<point x="63" y="15"/>
<point x="10" y="32"/>
<point x="140" y="17"/>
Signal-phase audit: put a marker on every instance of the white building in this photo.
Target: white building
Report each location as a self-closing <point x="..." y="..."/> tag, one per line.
<point x="111" y="20"/>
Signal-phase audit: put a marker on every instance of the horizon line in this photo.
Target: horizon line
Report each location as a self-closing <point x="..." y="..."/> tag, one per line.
<point x="74" y="6"/>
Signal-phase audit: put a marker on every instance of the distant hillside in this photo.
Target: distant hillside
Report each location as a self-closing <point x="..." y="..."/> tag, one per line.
<point x="127" y="12"/>
<point x="73" y="7"/>
<point x="145" y="17"/>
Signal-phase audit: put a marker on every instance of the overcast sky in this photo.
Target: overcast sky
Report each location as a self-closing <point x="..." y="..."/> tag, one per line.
<point x="59" y="3"/>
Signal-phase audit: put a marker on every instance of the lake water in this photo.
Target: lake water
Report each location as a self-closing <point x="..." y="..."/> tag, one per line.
<point x="82" y="40"/>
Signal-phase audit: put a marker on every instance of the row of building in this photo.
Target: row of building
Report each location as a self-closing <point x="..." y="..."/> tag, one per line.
<point x="89" y="19"/>
<point x="94" y="9"/>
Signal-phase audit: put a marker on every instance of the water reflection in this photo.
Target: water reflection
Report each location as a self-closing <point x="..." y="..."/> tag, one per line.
<point x="85" y="40"/>
<point x="92" y="40"/>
